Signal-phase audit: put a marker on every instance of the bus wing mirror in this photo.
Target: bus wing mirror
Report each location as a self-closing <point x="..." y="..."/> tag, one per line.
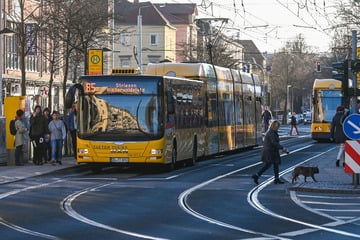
<point x="70" y="95"/>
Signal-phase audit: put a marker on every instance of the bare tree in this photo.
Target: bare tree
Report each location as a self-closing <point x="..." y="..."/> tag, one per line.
<point x="22" y="18"/>
<point x="70" y="28"/>
<point x="292" y="69"/>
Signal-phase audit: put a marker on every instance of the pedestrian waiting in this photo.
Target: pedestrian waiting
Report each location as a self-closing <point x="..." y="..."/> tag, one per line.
<point x="58" y="135"/>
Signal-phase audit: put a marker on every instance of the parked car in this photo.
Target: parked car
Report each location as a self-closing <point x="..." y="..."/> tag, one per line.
<point x="307" y="118"/>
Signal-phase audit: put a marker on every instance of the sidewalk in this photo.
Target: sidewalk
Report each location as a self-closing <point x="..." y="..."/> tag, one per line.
<point x="15" y="173"/>
<point x="330" y="179"/>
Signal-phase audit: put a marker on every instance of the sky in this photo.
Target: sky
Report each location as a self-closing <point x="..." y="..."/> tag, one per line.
<point x="271" y="23"/>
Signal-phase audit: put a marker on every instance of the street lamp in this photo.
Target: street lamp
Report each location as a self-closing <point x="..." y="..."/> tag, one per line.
<point x="288" y="97"/>
<point x="139" y="25"/>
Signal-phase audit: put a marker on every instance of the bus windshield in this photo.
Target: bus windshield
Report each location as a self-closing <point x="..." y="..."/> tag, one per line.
<point x="118" y="114"/>
<point x="326" y="105"/>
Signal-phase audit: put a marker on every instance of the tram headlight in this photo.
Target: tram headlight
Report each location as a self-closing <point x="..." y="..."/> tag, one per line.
<point x="318" y="128"/>
<point x="156" y="151"/>
<point x="83" y="150"/>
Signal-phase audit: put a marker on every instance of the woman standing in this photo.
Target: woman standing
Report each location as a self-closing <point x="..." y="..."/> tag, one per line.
<point x="20" y="136"/>
<point x="58" y="135"/>
<point x="270" y="154"/>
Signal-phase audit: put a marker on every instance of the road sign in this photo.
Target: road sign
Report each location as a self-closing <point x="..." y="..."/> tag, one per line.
<point x="352" y="156"/>
<point x="351" y="126"/>
<point x="95" y="61"/>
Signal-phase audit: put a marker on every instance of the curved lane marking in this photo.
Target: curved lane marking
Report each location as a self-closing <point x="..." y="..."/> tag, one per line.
<point x="183" y="198"/>
<point x="255" y="203"/>
<point x="66" y="206"/>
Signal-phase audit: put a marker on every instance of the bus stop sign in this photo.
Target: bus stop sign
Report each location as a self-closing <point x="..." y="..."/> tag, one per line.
<point x="351" y="126"/>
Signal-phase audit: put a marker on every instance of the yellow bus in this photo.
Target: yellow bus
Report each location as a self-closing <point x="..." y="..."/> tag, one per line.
<point x="326" y="97"/>
<point x="164" y="119"/>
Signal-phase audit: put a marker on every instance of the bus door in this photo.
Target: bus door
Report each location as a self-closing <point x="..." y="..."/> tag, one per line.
<point x="249" y="109"/>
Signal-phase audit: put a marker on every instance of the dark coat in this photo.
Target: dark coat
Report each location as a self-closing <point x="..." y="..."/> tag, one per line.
<point x="271" y="147"/>
<point x="336" y="130"/>
<point x="38" y="127"/>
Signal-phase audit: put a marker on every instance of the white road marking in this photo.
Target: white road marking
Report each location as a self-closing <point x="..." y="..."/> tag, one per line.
<point x="66" y="206"/>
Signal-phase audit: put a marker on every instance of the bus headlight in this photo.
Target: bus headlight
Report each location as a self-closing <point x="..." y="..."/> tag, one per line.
<point x="83" y="150"/>
<point x="156" y="151"/>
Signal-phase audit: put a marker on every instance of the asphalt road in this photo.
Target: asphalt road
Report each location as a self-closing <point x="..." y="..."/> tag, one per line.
<point x="216" y="199"/>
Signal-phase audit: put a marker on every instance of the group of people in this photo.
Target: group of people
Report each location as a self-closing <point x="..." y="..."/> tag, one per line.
<point x="47" y="133"/>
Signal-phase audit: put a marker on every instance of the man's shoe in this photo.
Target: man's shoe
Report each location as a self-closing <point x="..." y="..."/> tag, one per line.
<point x="256" y="178"/>
<point x="278" y="181"/>
<point x="337" y="163"/>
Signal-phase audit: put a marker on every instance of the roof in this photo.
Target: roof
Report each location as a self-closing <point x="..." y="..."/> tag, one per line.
<point x="177" y="13"/>
<point x="126" y="13"/>
<point x="251" y="52"/>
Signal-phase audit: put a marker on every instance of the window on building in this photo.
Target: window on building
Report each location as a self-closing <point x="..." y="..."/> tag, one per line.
<point x="154" y="58"/>
<point x="12" y="60"/>
<point x="154" y="39"/>
<point x="125" y="61"/>
<point x="125" y="39"/>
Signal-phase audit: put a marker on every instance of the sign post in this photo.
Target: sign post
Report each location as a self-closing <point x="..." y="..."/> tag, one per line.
<point x="95" y="62"/>
<point x="351" y="127"/>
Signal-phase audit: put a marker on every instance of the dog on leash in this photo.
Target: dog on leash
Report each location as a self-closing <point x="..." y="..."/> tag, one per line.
<point x="305" y="171"/>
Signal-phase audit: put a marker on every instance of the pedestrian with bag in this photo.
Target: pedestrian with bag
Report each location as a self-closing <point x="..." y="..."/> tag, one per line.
<point x="337" y="134"/>
<point x="270" y="153"/>
<point x="58" y="135"/>
<point x="38" y="131"/>
<point x="20" y="137"/>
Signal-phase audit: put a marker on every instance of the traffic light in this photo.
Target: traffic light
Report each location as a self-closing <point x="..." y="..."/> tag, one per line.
<point x="355" y="65"/>
<point x="342" y="74"/>
<point x="318" y="66"/>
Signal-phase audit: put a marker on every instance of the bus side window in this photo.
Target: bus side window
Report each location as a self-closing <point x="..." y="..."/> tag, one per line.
<point x="170" y="103"/>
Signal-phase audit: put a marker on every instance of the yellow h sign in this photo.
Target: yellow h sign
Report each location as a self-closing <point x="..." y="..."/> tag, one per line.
<point x="95" y="61"/>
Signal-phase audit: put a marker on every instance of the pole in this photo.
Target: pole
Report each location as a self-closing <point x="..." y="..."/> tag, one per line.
<point x="354" y="57"/>
<point x="139" y="23"/>
<point x="354" y="103"/>
<point x="1" y="62"/>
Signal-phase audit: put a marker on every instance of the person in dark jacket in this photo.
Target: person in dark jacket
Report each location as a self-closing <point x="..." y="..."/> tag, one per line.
<point x="337" y="134"/>
<point x="47" y="144"/>
<point x="38" y="131"/>
<point x="270" y="154"/>
<point x="266" y="116"/>
<point x="293" y="124"/>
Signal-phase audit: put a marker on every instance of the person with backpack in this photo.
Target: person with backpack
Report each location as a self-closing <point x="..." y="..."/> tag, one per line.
<point x="20" y="137"/>
<point x="337" y="134"/>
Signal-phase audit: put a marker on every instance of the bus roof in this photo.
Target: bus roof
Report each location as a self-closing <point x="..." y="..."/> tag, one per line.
<point x="187" y="70"/>
<point x="327" y="84"/>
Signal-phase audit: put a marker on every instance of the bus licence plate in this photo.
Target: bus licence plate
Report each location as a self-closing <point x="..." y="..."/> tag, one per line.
<point x="119" y="160"/>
